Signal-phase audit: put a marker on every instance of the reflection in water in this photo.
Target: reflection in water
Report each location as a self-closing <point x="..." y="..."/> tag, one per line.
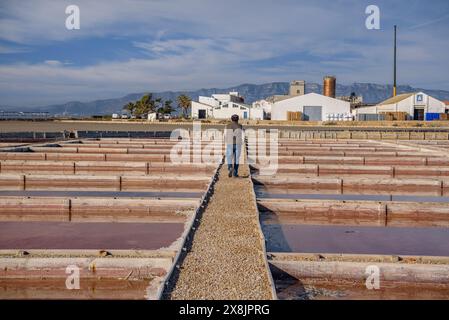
<point x="358" y="240"/>
<point x="55" y="288"/>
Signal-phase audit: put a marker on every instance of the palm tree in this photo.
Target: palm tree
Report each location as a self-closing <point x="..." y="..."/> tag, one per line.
<point x="158" y="103"/>
<point x="145" y="105"/>
<point x="168" y="107"/>
<point x="130" y="107"/>
<point x="184" y="102"/>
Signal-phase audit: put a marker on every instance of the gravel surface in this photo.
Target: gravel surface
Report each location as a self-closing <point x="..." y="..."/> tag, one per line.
<point x="226" y="260"/>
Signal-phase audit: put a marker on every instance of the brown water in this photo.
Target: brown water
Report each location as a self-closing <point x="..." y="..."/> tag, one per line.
<point x="52" y="288"/>
<point x="357" y="240"/>
<point x="72" y="235"/>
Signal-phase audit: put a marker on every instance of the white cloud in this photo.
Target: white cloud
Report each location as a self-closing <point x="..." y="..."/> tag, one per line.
<point x="53" y="63"/>
<point x="12" y="49"/>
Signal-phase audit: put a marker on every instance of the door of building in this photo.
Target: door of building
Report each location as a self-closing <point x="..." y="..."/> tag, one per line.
<point x="313" y="113"/>
<point x="418" y="114"/>
<point x="245" y="114"/>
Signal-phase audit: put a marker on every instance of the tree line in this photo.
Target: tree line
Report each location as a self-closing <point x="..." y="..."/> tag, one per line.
<point x="148" y="104"/>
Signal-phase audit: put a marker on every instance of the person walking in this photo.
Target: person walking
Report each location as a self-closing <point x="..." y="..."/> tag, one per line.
<point x="234" y="141"/>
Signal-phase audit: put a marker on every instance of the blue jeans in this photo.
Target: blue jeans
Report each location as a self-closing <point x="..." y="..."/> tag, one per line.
<point x="233" y="156"/>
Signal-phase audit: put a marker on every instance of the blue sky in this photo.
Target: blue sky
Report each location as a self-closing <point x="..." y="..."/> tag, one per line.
<point x="155" y="45"/>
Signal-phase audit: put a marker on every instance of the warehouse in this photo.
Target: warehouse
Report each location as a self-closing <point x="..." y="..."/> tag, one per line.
<point x="311" y="107"/>
<point x="223" y="106"/>
<point x="415" y="106"/>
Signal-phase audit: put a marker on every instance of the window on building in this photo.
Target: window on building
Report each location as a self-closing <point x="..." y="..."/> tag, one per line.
<point x="234" y="105"/>
<point x="419" y="98"/>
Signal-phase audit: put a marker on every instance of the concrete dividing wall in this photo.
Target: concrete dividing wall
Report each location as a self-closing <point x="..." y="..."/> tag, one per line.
<point x="71" y="182"/>
<point x="182" y="182"/>
<point x="51" y="156"/>
<point x="116" y="168"/>
<point x="47" y="167"/>
<point x="323" y="212"/>
<point x="95" y="209"/>
<point x="101" y="167"/>
<point x="187" y="183"/>
<point x="403" y="172"/>
<point x="392" y="186"/>
<point x="361" y="170"/>
<point x="127" y="210"/>
<point x="354" y="185"/>
<point x="420" y="214"/>
<point x="369" y="160"/>
<point x="359" y="133"/>
<point x="356" y="271"/>
<point x="74" y="157"/>
<point x="138" y="157"/>
<point x="28" y="209"/>
<point x="11" y="182"/>
<point x="360" y="213"/>
<point x="203" y="169"/>
<point x="22" y="156"/>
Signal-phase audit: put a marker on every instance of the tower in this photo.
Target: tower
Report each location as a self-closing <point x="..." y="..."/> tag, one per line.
<point x="329" y="83"/>
<point x="297" y="88"/>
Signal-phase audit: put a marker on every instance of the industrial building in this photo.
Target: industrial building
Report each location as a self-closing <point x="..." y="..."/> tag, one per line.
<point x="297" y="88"/>
<point x="311" y="107"/>
<point x="223" y="106"/>
<point x="298" y="106"/>
<point x="415" y="105"/>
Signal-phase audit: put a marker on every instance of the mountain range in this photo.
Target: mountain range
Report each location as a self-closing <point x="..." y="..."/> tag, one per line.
<point x="372" y="93"/>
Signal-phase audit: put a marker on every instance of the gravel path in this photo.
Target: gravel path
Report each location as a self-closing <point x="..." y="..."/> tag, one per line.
<point x="226" y="260"/>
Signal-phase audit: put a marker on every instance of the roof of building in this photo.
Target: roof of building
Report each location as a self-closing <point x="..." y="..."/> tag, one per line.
<point x="277" y="97"/>
<point x="312" y="94"/>
<point x="204" y="104"/>
<point x="446" y="102"/>
<point x="398" y="98"/>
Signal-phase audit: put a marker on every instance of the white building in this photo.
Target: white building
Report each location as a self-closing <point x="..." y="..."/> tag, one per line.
<point x="313" y="106"/>
<point x="265" y="106"/>
<point x="223" y="106"/>
<point x="152" y="116"/>
<point x="416" y="104"/>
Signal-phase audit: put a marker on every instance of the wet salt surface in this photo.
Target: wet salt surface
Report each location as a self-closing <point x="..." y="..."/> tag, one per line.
<point x="111" y="194"/>
<point x="72" y="235"/>
<point x="357" y="240"/>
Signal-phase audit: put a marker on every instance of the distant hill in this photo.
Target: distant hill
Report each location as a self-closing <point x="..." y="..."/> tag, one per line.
<point x="372" y="93"/>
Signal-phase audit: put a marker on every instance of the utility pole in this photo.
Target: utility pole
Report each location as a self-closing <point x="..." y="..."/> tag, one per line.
<point x="394" y="72"/>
